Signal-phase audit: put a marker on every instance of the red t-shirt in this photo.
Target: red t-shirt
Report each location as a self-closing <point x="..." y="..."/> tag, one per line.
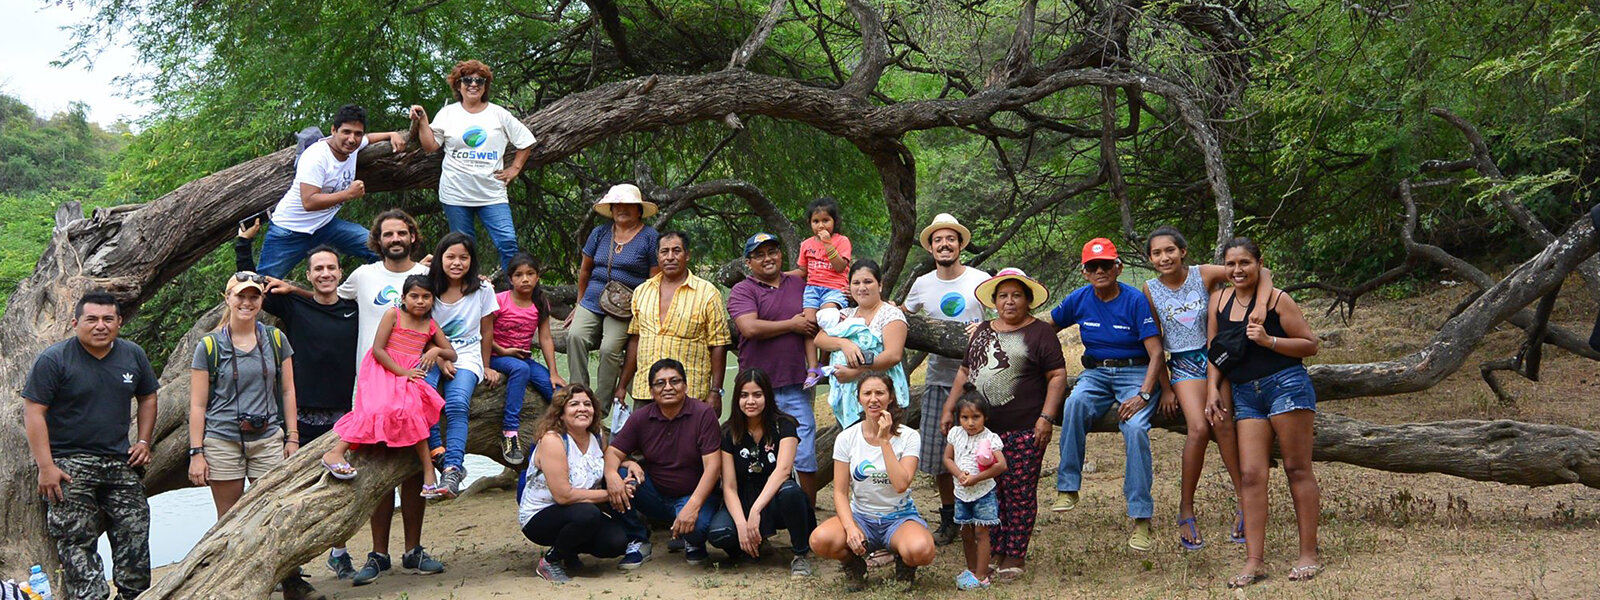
<point x="814" y="255"/>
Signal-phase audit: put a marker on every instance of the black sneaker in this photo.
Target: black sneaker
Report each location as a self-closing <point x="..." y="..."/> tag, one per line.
<point x="511" y="449"/>
<point x="417" y="561"/>
<point x="341" y="566"/>
<point x="855" y="574"/>
<point x="450" y="482"/>
<point x="295" y="587"/>
<point x="903" y="572"/>
<point x="376" y="565"/>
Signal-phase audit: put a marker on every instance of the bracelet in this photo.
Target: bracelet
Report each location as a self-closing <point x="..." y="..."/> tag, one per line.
<point x="145" y="442"/>
<point x="1274" y="342"/>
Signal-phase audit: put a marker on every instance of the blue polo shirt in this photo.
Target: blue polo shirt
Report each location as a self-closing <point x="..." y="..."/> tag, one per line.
<point x="1110" y="330"/>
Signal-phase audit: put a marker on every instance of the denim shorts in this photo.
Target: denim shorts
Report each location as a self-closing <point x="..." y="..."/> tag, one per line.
<point x="984" y="511"/>
<point x="1186" y="366"/>
<point x="879" y="530"/>
<point x="1275" y="394"/>
<point x="817" y="295"/>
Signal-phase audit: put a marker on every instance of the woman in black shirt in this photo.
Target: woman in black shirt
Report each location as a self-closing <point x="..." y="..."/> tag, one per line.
<point x="759" y="492"/>
<point x="1272" y="397"/>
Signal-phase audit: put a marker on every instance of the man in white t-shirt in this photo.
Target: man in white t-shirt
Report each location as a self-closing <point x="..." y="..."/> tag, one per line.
<point x="947" y="294"/>
<point x="324" y="179"/>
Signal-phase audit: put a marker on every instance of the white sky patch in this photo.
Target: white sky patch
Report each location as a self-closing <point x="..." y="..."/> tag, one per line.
<point x="35" y="36"/>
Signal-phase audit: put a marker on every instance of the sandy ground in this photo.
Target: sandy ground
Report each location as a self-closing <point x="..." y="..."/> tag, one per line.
<point x="1383" y="535"/>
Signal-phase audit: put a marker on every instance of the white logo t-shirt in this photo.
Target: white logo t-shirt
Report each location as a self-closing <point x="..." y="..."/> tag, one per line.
<point x="954" y="300"/>
<point x="316" y="166"/>
<point x="474" y="148"/>
<point x="375" y="289"/>
<point x="871" y="492"/>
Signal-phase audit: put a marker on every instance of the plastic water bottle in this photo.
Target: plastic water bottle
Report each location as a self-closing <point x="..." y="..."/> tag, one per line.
<point x="40" y="583"/>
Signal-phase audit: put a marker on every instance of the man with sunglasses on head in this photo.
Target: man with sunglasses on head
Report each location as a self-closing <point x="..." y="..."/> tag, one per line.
<point x="324" y="179"/>
<point x="1121" y="361"/>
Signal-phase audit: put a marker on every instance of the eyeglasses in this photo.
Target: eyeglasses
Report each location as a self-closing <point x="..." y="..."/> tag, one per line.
<point x="473" y="80"/>
<point x="249" y="277"/>
<point x="1095" y="266"/>
<point x="665" y="383"/>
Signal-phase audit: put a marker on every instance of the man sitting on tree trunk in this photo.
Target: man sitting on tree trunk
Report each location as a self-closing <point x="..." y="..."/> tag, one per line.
<point x="76" y="417"/>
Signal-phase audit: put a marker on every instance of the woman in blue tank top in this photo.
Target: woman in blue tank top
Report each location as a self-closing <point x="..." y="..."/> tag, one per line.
<point x="1178" y="300"/>
<point x="1272" y="398"/>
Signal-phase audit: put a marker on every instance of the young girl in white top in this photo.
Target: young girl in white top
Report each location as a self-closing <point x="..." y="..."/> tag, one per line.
<point x="972" y="456"/>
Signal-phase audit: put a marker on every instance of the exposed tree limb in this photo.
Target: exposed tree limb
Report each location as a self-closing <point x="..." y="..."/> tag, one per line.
<point x="1111" y="164"/>
<point x="1528" y="358"/>
<point x="758" y="36"/>
<point x="875" y="55"/>
<point x="611" y="22"/>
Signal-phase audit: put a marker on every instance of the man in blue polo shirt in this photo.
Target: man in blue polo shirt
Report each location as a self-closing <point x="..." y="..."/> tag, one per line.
<point x="1121" y="360"/>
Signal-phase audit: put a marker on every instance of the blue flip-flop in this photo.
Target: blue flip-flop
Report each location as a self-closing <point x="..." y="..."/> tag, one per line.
<point x="1187" y="542"/>
<point x="1238" y="527"/>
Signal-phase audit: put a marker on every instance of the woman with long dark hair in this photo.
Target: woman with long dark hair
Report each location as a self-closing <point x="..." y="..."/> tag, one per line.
<point x="759" y="492"/>
<point x="464" y="307"/>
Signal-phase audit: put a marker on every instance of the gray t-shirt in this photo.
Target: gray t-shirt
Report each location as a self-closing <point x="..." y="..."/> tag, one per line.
<point x="253" y="393"/>
<point x="1182" y="312"/>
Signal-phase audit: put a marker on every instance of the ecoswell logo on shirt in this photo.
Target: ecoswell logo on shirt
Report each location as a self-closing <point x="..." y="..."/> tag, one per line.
<point x="387" y="296"/>
<point x="475" y="136"/>
<point x="863" y="470"/>
<point x="953" y="304"/>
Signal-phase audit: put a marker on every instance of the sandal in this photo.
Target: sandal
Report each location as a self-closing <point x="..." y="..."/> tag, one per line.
<point x="340" y="470"/>
<point x="432" y="492"/>
<point x="1007" y="574"/>
<point x="1190" y="543"/>
<point x="1245" y="580"/>
<point x="1304" y="572"/>
<point x="1238" y="527"/>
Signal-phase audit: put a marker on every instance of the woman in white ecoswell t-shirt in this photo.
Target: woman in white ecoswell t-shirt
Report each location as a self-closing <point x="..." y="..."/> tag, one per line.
<point x="474" y="133"/>
<point x="874" y="461"/>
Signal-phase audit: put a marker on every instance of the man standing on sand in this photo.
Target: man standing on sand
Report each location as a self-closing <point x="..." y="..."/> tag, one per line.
<point x="946" y="294"/>
<point x="767" y="307"/>
<point x="324" y="179"/>
<point x="76" y="417"/>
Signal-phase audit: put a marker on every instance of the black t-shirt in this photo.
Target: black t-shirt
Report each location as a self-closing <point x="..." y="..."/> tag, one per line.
<point x="753" y="462"/>
<point x="89" y="399"/>
<point x="324" y="338"/>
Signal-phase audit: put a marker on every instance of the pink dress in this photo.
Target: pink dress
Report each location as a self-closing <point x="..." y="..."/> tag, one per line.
<point x="390" y="409"/>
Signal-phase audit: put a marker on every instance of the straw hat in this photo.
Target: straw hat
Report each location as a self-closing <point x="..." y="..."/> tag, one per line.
<point x="625" y="193"/>
<point x="945" y="221"/>
<point x="985" y="291"/>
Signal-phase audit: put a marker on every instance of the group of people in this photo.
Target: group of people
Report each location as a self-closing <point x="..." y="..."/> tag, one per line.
<point x="391" y="355"/>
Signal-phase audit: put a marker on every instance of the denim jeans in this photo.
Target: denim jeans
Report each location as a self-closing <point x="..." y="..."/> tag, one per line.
<point x="282" y="249"/>
<point x="790" y="509"/>
<point x="496" y="219"/>
<point x="650" y="505"/>
<point x="457" y="392"/>
<point x="795" y="401"/>
<point x="1097" y="392"/>
<point x="519" y="373"/>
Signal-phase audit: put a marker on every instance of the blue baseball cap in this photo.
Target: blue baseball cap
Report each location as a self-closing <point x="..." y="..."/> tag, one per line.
<point x="756" y="241"/>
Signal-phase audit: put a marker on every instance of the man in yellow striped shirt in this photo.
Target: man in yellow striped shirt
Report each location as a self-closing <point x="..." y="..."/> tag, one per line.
<point x="678" y="315"/>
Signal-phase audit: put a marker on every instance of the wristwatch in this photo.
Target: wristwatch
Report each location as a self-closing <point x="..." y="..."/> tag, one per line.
<point x="199" y="450"/>
<point x="717" y="391"/>
<point x="1145" y="396"/>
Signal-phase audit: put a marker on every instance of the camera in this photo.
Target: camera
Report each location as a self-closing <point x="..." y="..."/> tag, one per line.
<point x="249" y="423"/>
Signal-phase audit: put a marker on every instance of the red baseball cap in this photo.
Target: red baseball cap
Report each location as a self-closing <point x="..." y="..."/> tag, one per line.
<point x="1099" y="249"/>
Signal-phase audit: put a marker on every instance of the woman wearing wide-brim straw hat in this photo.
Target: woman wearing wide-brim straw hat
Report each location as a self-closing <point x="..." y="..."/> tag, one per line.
<point x="624" y="251"/>
<point x="1015" y="364"/>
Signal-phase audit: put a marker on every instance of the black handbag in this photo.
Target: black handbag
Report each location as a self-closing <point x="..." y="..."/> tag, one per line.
<point x="1229" y="346"/>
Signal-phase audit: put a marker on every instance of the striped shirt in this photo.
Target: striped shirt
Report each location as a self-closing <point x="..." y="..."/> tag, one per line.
<point x="695" y="322"/>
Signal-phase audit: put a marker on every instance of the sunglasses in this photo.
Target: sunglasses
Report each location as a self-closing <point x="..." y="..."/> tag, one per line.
<point x="473" y="80"/>
<point x="1095" y="266"/>
<point x="249" y="277"/>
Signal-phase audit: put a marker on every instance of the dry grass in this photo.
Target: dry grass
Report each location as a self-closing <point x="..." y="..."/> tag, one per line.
<point x="1383" y="535"/>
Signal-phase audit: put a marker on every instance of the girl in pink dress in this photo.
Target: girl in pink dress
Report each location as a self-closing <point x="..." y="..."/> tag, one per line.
<point x="393" y="405"/>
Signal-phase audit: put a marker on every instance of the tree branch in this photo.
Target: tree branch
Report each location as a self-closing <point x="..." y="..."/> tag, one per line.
<point x="758" y="36"/>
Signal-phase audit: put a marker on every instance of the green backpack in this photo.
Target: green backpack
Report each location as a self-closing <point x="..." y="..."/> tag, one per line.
<point x="213" y="340"/>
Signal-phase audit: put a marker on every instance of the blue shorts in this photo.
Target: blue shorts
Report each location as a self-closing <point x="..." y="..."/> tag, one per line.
<point x="879" y="530"/>
<point x="985" y="511"/>
<point x="816" y="296"/>
<point x="1275" y="394"/>
<point x="1188" y="365"/>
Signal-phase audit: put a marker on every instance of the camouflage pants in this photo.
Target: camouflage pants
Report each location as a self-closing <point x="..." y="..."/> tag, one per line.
<point x="105" y="496"/>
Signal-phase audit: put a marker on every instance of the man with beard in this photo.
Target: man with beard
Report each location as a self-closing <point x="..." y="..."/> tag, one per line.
<point x="946" y="294"/>
<point x="767" y="307"/>
<point x="376" y="289"/>
<point x="322" y="328"/>
<point x="680" y="316"/>
<point x="324" y="179"/>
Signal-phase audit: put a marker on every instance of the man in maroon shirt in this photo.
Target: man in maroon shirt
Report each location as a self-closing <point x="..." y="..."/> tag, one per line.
<point x="679" y="442"/>
<point x="767" y="309"/>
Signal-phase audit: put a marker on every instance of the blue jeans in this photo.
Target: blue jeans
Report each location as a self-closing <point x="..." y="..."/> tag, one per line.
<point x="496" y="219"/>
<point x="650" y="504"/>
<point x="519" y="373"/>
<point x="1097" y="392"/>
<point x="789" y="509"/>
<point x="282" y="249"/>
<point x="795" y="401"/>
<point x="457" y="394"/>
